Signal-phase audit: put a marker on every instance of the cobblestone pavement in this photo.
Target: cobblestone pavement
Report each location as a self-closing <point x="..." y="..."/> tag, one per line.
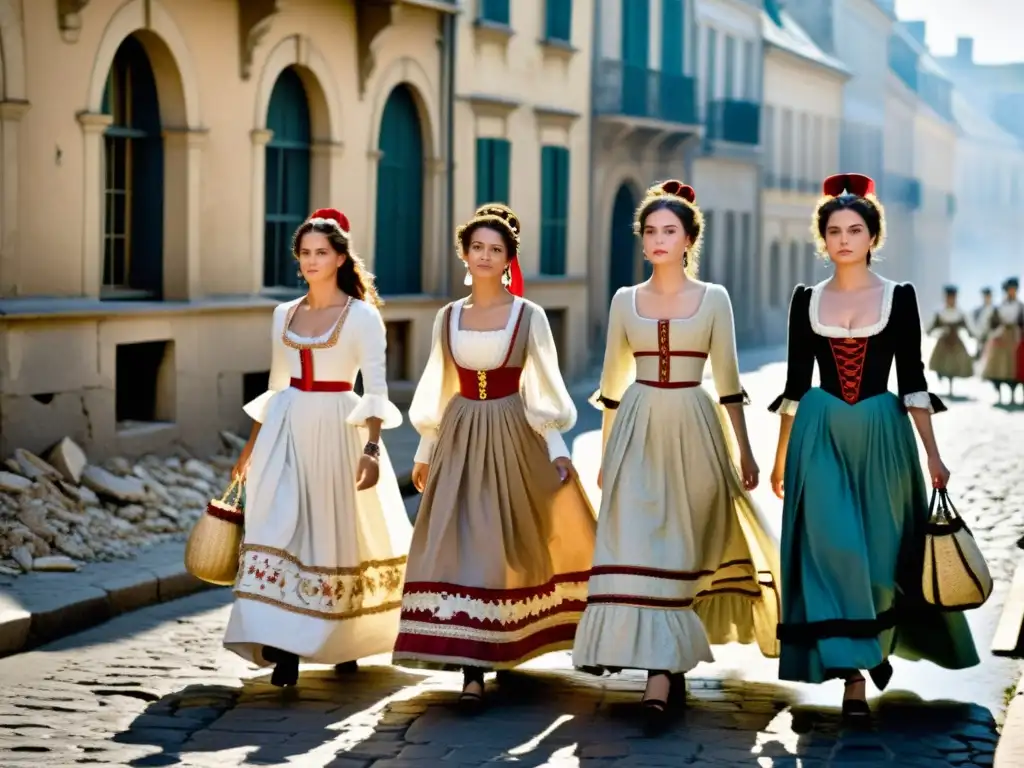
<point x="155" y="688"/>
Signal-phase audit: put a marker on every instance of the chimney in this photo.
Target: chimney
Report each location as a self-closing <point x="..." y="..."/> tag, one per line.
<point x="965" y="50"/>
<point x="916" y="30"/>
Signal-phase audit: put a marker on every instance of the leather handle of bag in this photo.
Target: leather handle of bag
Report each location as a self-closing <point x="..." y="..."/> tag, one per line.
<point x="233" y="493"/>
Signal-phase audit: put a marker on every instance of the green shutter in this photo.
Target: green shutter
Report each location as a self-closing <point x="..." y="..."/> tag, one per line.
<point x="559" y="20"/>
<point x="636" y="32"/>
<point x="398" y="252"/>
<point x="554" y="209"/>
<point x="493" y="161"/>
<point x="495" y="11"/>
<point x="673" y="28"/>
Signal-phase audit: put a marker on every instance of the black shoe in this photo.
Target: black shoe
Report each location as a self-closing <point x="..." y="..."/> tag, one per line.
<point x="856" y="711"/>
<point x="286" y="671"/>
<point x="656" y="711"/>
<point x="346" y="668"/>
<point x="472" y="702"/>
<point x="881" y="675"/>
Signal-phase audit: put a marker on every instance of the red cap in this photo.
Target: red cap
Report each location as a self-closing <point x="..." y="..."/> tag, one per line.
<point x="677" y="188"/>
<point x="852" y="183"/>
<point x="334" y="215"/>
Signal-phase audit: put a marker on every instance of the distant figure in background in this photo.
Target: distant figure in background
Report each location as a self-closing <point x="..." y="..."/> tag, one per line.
<point x="1003" y="364"/>
<point x="981" y="317"/>
<point x="326" y="532"/>
<point x="950" y="358"/>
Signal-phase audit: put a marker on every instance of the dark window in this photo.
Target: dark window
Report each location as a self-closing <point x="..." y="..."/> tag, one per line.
<point x="133" y="190"/>
<point x="493" y="162"/>
<point x="554" y="209"/>
<point x="399" y="336"/>
<point x="558" y="21"/>
<point x="495" y="11"/>
<point x="144" y="382"/>
<point x="287" y="178"/>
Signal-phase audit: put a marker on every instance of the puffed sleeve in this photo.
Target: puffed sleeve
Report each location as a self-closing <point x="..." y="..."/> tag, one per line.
<point x="280" y="377"/>
<point x="371" y="351"/>
<point x="430" y="399"/>
<point x="549" y="407"/>
<point x="725" y="368"/>
<point x="799" y="354"/>
<point x="619" y="368"/>
<point x="912" y="385"/>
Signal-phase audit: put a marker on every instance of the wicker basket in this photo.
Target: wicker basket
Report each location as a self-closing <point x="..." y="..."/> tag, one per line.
<point x="955" y="577"/>
<point x="212" y="550"/>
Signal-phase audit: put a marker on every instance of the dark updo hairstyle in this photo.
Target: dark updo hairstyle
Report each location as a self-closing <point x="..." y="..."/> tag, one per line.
<point x="496" y="217"/>
<point x="849" y="192"/>
<point x="681" y="200"/>
<point x="353" y="277"/>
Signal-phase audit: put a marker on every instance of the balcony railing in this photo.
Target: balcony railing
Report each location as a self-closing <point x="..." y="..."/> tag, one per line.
<point x="632" y="91"/>
<point x="738" y="122"/>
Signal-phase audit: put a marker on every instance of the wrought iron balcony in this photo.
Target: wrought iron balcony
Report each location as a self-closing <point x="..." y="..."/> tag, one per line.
<point x="627" y="90"/>
<point x="738" y="122"/>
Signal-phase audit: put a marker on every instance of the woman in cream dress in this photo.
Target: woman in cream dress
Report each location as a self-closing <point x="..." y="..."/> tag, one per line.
<point x="1003" y="364"/>
<point x="504" y="534"/>
<point x="950" y="358"/>
<point x="326" y="533"/>
<point x="683" y="558"/>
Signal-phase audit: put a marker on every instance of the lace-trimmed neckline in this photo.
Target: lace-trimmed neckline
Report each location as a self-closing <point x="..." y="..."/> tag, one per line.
<point x="837" y="331"/>
<point x="325" y="340"/>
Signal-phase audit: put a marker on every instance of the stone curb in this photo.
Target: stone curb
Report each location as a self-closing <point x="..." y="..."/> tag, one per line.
<point x="1010" y="749"/>
<point x="39" y="608"/>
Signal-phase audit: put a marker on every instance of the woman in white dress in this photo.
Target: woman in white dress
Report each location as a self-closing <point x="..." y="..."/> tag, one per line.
<point x="504" y="534"/>
<point x="326" y="533"/>
<point x="683" y="555"/>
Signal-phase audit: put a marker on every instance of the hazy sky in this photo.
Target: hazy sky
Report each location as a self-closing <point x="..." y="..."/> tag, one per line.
<point x="995" y="26"/>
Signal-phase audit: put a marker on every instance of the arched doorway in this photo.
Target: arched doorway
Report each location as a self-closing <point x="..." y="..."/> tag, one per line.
<point x="399" y="237"/>
<point x="286" y="179"/>
<point x="622" y="256"/>
<point x="133" y="221"/>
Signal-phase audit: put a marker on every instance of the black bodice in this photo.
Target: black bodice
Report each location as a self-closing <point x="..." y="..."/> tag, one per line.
<point x="854" y="369"/>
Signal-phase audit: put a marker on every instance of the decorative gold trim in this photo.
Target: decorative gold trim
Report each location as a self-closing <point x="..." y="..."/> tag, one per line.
<point x="331" y="340"/>
<point x="326" y="570"/>
<point x="393" y="606"/>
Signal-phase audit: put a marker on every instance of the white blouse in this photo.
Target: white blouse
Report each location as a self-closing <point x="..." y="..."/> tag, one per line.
<point x="355" y="344"/>
<point x="549" y="407"/>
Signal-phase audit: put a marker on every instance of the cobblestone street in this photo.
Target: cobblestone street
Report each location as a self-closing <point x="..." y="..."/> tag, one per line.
<point x="155" y="687"/>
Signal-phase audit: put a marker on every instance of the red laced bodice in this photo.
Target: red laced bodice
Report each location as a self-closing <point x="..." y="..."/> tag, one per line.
<point x="849" y="356"/>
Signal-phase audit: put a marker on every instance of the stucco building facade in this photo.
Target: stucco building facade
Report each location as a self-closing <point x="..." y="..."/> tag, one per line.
<point x="157" y="154"/>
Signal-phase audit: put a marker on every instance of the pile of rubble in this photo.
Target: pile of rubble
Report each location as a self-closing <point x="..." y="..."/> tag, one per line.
<point x="58" y="513"/>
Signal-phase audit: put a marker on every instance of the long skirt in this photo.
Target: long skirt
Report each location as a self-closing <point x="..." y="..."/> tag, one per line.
<point x="501" y="549"/>
<point x="950" y="358"/>
<point x="684" y="557"/>
<point x="1003" y="363"/>
<point x="322" y="564"/>
<point x="853" y="526"/>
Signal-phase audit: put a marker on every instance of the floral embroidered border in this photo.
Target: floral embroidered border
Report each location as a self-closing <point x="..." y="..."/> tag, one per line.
<point x="274" y="576"/>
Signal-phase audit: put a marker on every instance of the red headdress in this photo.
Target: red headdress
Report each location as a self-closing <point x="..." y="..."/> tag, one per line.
<point x="332" y="214"/>
<point x="501" y="212"/>
<point x="678" y="189"/>
<point x="848" y="183"/>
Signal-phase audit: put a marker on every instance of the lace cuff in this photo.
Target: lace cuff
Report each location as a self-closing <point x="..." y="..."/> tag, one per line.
<point x="925" y="401"/>
<point x="257" y="408"/>
<point x="784" y="406"/>
<point x="375" y="407"/>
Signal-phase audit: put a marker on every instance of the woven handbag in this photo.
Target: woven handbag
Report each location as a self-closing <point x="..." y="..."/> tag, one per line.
<point x="955" y="576"/>
<point x="211" y="553"/>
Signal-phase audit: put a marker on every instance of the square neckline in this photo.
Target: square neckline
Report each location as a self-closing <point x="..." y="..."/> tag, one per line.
<point x="840" y="332"/>
<point x="324" y="340"/>
<point x="457" y="309"/>
<point x="691" y="316"/>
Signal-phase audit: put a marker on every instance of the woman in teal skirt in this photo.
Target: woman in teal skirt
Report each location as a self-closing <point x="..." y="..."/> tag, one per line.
<point x="855" y="500"/>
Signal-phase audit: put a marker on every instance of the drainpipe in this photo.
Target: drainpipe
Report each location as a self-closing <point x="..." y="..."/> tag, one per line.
<point x="448" y="39"/>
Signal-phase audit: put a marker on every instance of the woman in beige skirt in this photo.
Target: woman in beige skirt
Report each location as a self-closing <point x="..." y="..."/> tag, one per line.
<point x="950" y="358"/>
<point x="504" y="535"/>
<point x="1003" y="364"/>
<point x="683" y="556"/>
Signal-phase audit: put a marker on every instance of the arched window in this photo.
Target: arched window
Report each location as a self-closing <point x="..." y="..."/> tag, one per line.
<point x="286" y="181"/>
<point x="623" y="245"/>
<point x="133" y="232"/>
<point x="398" y="252"/>
<point x="775" y="278"/>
